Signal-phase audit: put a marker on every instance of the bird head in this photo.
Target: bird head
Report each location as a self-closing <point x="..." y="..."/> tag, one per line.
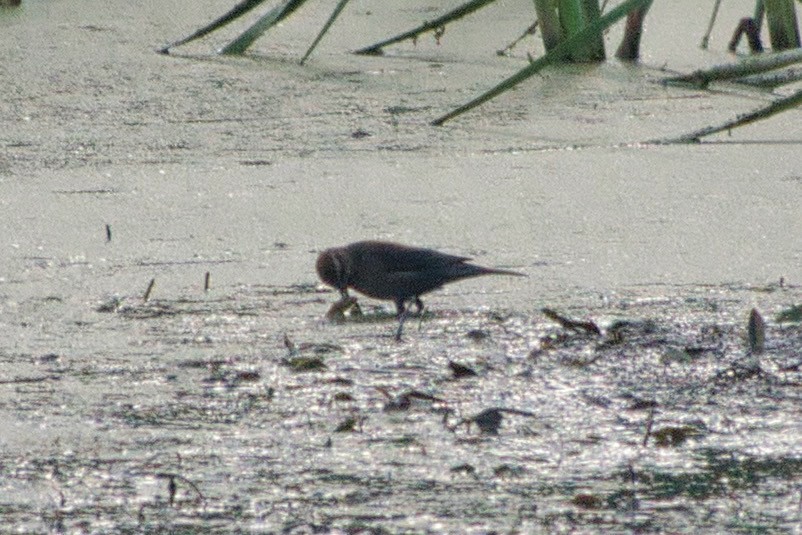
<point x="334" y="268"/>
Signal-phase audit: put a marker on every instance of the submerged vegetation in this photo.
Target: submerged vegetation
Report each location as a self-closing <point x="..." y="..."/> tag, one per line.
<point x="652" y="420"/>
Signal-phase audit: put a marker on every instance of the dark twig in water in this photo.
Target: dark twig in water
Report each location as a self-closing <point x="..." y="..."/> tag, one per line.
<point x="756" y="331"/>
<point x="460" y="370"/>
<point x="405" y="400"/>
<point x="290" y="345"/>
<point x="531" y="30"/>
<point x="350" y="425"/>
<point x="108" y="232"/>
<point x="149" y="290"/>
<point x="649" y="424"/>
<point x="573" y="325"/>
<point x="207" y="282"/>
<point x="489" y="420"/>
<point x="774" y="108"/>
<point x="436" y="25"/>
<point x="27" y="380"/>
<point x="173" y="487"/>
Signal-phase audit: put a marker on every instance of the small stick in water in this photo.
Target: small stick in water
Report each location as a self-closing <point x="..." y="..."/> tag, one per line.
<point x="206" y="282"/>
<point x="573" y="325"/>
<point x="150" y="289"/>
<point x="649" y="424"/>
<point x="108" y="232"/>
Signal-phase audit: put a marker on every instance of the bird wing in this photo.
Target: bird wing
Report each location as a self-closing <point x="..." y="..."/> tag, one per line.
<point x="397" y="258"/>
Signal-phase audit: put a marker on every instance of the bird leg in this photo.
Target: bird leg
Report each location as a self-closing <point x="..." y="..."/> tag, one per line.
<point x="401" y="319"/>
<point x="419" y="304"/>
<point x="402" y="312"/>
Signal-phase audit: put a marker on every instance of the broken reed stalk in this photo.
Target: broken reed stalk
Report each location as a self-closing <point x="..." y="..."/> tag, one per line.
<point x="706" y="38"/>
<point x="206" y="282"/>
<point x="731" y="71"/>
<point x="439" y="22"/>
<point x="774" y="108"/>
<point x="573" y="325"/>
<point x="772" y="80"/>
<point x="265" y="22"/>
<point x="235" y="12"/>
<point x="150" y="289"/>
<point x="329" y="22"/>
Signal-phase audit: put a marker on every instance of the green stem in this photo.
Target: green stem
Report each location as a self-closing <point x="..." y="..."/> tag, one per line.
<point x="558" y="53"/>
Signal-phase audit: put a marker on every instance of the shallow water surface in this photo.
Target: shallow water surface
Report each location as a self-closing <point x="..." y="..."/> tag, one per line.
<point x="239" y="408"/>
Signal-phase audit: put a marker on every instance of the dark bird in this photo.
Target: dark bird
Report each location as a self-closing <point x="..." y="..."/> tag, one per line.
<point x="395" y="272"/>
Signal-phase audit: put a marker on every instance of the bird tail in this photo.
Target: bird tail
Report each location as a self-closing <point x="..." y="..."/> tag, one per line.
<point x="494" y="271"/>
